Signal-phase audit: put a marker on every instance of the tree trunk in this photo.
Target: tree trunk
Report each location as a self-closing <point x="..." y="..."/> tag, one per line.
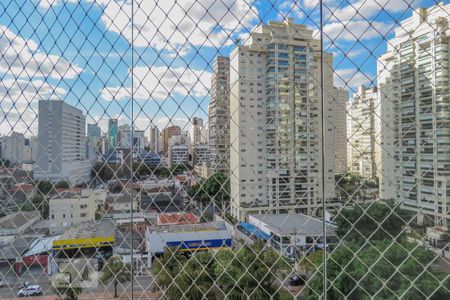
<point x="115" y="289"/>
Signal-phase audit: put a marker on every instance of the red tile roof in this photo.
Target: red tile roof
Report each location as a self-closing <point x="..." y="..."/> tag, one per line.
<point x="182" y="218"/>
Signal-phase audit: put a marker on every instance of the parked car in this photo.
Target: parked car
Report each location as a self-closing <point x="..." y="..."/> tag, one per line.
<point x="32" y="290"/>
<point x="296" y="280"/>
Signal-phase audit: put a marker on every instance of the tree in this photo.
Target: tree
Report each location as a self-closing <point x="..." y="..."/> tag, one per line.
<point x="116" y="271"/>
<point x="167" y="267"/>
<point x="375" y="257"/>
<point x="250" y="271"/>
<point x="377" y="221"/>
<point x="103" y="171"/>
<point x="382" y="269"/>
<point x="45" y="187"/>
<point x="38" y="202"/>
<point x="62" y="185"/>
<point x="216" y="188"/>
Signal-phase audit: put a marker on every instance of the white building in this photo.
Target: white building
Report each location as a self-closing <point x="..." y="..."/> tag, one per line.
<point x="364" y="137"/>
<point x="201" y="153"/>
<point x="275" y="128"/>
<point x="126" y="138"/>
<point x="73" y="208"/>
<point x="340" y="99"/>
<point x="199" y="133"/>
<point x="179" y="154"/>
<point x="61" y="143"/>
<point x="123" y="203"/>
<point x="154" y="139"/>
<point x="12" y="148"/>
<point x="219" y="116"/>
<point x="292" y="234"/>
<point x="414" y="94"/>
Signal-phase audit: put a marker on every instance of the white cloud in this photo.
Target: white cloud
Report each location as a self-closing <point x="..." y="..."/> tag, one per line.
<point x="48" y="3"/>
<point x="21" y="58"/>
<point x="19" y="103"/>
<point x="290" y="9"/>
<point x="351" y="78"/>
<point x="160" y="82"/>
<point x="163" y="122"/>
<point x="355" y="30"/>
<point x="174" y="24"/>
<point x="363" y="9"/>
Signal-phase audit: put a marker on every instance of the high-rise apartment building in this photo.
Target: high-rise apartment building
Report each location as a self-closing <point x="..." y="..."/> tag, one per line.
<point x="61" y="143"/>
<point x="93" y="130"/>
<point x="413" y="79"/>
<point x="154" y="139"/>
<point x="166" y="134"/>
<point x="126" y="138"/>
<point x="13" y="148"/>
<point x="198" y="132"/>
<point x="276" y="126"/>
<point x="364" y="136"/>
<point x="340" y="99"/>
<point x="113" y="125"/>
<point x="219" y="116"/>
<point x="93" y="143"/>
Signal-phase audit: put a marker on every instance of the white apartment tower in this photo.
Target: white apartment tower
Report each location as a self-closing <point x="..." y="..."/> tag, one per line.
<point x="413" y="78"/>
<point x="219" y="116"/>
<point x="154" y="139"/>
<point x="275" y="128"/>
<point x="13" y="148"/>
<point x="61" y="143"/>
<point x="364" y="136"/>
<point x="198" y="132"/>
<point x="340" y="99"/>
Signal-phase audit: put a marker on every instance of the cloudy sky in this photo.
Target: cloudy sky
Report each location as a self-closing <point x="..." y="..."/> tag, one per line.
<point x="80" y="51"/>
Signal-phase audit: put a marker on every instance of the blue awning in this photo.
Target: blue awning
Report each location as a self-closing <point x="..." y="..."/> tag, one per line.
<point x="251" y="229"/>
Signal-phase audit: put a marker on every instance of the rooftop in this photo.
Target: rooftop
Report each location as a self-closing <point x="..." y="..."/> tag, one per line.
<point x="180" y="218"/>
<point x="212" y="226"/>
<point x="18" y="219"/>
<point x="89" y="230"/>
<point x="287" y="224"/>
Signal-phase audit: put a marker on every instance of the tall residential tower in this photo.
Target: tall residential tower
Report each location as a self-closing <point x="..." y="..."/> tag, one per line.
<point x="413" y="78"/>
<point x="219" y="116"/>
<point x="275" y="128"/>
<point x="61" y="143"/>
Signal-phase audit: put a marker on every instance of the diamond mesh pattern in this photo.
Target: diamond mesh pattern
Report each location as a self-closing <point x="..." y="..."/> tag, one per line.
<point x="231" y="149"/>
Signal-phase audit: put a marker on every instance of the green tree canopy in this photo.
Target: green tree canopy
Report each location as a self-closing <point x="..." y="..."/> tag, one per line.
<point x="380" y="270"/>
<point x="215" y="188"/>
<point x="116" y="271"/>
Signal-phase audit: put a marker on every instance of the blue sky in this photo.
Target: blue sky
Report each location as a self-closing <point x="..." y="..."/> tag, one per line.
<point x="80" y="51"/>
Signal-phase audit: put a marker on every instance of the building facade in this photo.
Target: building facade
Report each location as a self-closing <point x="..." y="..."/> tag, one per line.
<point x="275" y="128"/>
<point x="198" y="132"/>
<point x="166" y="134"/>
<point x="61" y="143"/>
<point x="179" y="154"/>
<point x="73" y="208"/>
<point x="13" y="148"/>
<point x="340" y="99"/>
<point x="219" y="116"/>
<point x="93" y="143"/>
<point x="113" y="125"/>
<point x="154" y="139"/>
<point x="364" y="136"/>
<point x="414" y="94"/>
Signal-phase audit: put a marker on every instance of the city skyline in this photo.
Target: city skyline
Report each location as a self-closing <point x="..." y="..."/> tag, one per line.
<point x="192" y="95"/>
